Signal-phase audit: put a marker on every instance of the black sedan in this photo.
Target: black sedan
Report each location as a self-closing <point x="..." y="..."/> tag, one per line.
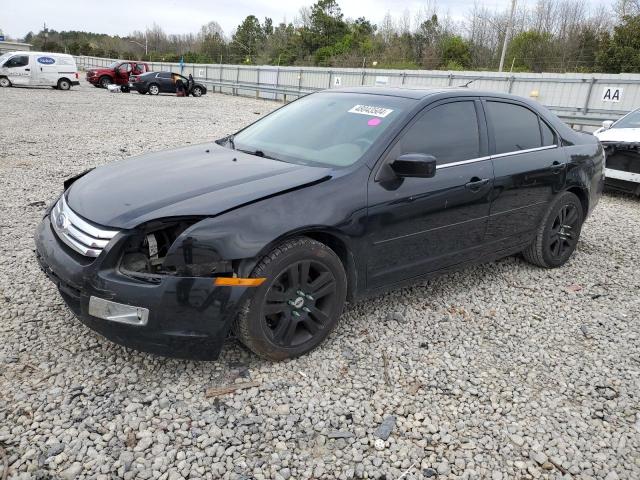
<point x="155" y="83"/>
<point x="342" y="193"/>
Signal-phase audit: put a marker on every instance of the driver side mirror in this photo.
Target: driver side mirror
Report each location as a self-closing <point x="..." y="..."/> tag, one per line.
<point x="607" y="124"/>
<point x="417" y="165"/>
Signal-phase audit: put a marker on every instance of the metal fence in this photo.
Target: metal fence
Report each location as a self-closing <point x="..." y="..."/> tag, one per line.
<point x="579" y="99"/>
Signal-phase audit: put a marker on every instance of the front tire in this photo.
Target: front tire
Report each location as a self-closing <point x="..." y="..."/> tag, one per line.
<point x="64" y="84"/>
<point x="154" y="89"/>
<point x="196" y="92"/>
<point x="298" y="305"/>
<point x="105" y="81"/>
<point x="5" y="82"/>
<point x="558" y="234"/>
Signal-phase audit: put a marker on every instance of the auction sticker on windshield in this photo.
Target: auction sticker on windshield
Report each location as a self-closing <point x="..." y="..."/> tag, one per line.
<point x="372" y="111"/>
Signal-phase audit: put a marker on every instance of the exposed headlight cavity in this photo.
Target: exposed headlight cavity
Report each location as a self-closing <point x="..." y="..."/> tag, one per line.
<point x="160" y="248"/>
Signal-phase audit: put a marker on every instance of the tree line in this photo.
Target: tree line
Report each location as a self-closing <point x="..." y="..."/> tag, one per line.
<point x="551" y="36"/>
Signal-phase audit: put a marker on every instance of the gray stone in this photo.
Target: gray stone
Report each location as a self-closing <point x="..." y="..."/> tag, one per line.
<point x="386" y="427"/>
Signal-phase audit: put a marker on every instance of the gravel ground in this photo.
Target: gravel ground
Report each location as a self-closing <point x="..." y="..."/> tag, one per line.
<point x="501" y="371"/>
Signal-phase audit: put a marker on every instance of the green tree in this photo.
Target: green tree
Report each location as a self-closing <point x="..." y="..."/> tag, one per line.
<point x="621" y="52"/>
<point x="327" y="25"/>
<point x="531" y="51"/>
<point x="248" y="38"/>
<point x="454" y="51"/>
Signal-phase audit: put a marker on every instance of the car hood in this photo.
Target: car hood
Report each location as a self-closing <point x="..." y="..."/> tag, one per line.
<point x="619" y="135"/>
<point x="201" y="180"/>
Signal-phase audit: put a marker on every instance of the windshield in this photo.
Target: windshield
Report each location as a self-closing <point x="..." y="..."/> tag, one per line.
<point x="324" y="129"/>
<point x="113" y="65"/>
<point x="3" y="57"/>
<point x="630" y="121"/>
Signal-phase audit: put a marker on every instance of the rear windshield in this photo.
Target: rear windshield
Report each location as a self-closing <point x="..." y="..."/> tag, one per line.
<point x="630" y="121"/>
<point x="323" y="129"/>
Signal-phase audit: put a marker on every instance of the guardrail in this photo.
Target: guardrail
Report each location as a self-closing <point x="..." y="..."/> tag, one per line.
<point x="574" y="121"/>
<point x="573" y="97"/>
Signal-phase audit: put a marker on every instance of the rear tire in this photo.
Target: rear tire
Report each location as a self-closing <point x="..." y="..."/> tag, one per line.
<point x="5" y="82"/>
<point x="154" y="89"/>
<point x="558" y="234"/>
<point x="64" y="84"/>
<point x="298" y="305"/>
<point x="105" y="81"/>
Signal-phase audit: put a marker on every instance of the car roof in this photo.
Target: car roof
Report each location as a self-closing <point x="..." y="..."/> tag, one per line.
<point x="422" y="93"/>
<point x="31" y="52"/>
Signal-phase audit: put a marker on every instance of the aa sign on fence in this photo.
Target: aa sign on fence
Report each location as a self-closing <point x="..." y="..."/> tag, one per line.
<point x="611" y="94"/>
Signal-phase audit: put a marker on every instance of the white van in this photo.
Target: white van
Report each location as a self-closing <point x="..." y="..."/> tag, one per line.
<point x="57" y="70"/>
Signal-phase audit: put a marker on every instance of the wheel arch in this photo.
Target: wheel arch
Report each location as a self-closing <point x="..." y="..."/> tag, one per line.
<point x="583" y="196"/>
<point x="326" y="236"/>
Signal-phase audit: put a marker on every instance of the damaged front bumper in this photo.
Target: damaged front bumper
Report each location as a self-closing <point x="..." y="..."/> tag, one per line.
<point x="622" y="169"/>
<point x="185" y="317"/>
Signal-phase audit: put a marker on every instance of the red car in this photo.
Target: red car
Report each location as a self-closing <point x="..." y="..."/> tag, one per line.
<point x="117" y="73"/>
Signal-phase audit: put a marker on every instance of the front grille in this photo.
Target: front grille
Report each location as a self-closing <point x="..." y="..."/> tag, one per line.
<point x="82" y="236"/>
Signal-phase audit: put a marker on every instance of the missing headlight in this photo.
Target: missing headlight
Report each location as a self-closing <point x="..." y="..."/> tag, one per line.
<point x="151" y="252"/>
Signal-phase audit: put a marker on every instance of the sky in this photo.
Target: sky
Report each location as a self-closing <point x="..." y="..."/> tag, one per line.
<point x="186" y="16"/>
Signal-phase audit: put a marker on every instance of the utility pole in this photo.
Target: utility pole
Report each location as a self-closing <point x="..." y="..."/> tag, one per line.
<point x="46" y="35"/>
<point x="507" y="34"/>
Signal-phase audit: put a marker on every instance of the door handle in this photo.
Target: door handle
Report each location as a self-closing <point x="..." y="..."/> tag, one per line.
<point x="27" y="69"/>
<point x="557" y="167"/>
<point x="476" y="184"/>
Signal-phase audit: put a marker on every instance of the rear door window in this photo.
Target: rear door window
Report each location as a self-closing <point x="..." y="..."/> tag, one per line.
<point x="514" y="127"/>
<point x="449" y="132"/>
<point x="548" y="137"/>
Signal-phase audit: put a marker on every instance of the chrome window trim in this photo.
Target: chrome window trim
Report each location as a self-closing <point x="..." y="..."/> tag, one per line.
<point x="462" y="162"/>
<point x="77" y="233"/>
<point x="526" y="150"/>
<point x="491" y="157"/>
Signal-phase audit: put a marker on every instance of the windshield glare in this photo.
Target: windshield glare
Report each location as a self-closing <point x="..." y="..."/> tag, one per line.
<point x="630" y="121"/>
<point x="113" y="65"/>
<point x="323" y="129"/>
<point x="3" y="57"/>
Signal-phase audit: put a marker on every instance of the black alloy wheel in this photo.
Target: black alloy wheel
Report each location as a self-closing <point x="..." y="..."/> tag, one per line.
<point x="558" y="234"/>
<point x="562" y="234"/>
<point x="298" y="305"/>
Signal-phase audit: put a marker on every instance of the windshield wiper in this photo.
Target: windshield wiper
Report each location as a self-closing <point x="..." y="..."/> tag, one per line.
<point x="259" y="153"/>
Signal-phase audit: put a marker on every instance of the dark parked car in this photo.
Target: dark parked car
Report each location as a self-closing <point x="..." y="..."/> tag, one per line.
<point x="165" y="82"/>
<point x="338" y="194"/>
